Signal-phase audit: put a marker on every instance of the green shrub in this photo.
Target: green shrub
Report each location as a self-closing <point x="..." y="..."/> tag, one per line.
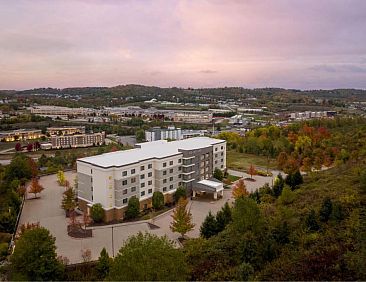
<point x="180" y="192"/>
<point x="3" y="250"/>
<point x="133" y="208"/>
<point x="97" y="212"/>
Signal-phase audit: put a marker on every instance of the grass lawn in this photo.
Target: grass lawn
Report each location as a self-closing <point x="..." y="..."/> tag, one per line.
<point x="232" y="178"/>
<point x="242" y="161"/>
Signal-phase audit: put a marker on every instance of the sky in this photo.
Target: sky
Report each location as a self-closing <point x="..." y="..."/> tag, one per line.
<point x="302" y="44"/>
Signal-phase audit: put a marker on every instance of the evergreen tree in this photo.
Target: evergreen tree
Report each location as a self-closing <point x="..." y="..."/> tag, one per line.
<point x="337" y="212"/>
<point x="133" y="208"/>
<point x="278" y="185"/>
<point x="158" y="200"/>
<point x="281" y="233"/>
<point x="103" y="264"/>
<point x="223" y="217"/>
<point x="218" y="174"/>
<point x="68" y="200"/>
<point x="180" y="193"/>
<point x="326" y="210"/>
<point x="97" y="212"/>
<point x="209" y="226"/>
<point x="311" y="222"/>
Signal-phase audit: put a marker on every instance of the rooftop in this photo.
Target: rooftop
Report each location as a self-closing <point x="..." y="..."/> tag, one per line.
<point x="149" y="150"/>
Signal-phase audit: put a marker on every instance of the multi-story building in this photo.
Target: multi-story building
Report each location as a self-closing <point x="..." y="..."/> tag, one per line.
<point x="193" y="116"/>
<point x="20" y="134"/>
<point x="172" y="133"/>
<point x="61" y="112"/>
<point x="66" y="130"/>
<point x="77" y="140"/>
<point x="112" y="179"/>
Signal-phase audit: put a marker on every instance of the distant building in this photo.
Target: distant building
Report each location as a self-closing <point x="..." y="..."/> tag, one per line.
<point x="20" y="134"/>
<point x="193" y="116"/>
<point x="172" y="133"/>
<point x="61" y="112"/>
<point x="77" y="140"/>
<point x="66" y="130"/>
<point x="311" y="115"/>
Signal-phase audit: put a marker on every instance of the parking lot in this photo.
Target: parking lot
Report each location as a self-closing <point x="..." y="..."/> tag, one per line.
<point x="47" y="210"/>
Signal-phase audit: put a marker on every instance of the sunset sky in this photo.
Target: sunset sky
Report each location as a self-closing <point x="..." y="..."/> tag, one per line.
<point x="251" y="43"/>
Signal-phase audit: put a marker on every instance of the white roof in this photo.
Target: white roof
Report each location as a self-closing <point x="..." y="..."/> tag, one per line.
<point x="148" y="150"/>
<point x="210" y="183"/>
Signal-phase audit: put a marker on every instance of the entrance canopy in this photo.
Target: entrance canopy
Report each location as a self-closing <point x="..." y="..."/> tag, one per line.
<point x="210" y="186"/>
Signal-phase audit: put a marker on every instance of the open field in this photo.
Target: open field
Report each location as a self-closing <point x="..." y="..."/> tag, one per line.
<point x="242" y="161"/>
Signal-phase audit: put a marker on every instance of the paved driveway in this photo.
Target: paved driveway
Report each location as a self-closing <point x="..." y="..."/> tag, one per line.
<point x="48" y="212"/>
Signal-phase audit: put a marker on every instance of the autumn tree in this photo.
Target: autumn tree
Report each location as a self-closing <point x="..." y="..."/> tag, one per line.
<point x="30" y="147"/>
<point x="18" y="147"/>
<point x="239" y="189"/>
<point x="69" y="200"/>
<point x="61" y="178"/>
<point x="282" y="160"/>
<point x="252" y="171"/>
<point x="306" y="164"/>
<point x="182" y="218"/>
<point x="35" y="187"/>
<point x="33" y="166"/>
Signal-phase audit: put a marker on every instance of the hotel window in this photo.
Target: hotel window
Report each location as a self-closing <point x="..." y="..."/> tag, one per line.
<point x="124" y="182"/>
<point x="222" y="154"/>
<point x="133" y="179"/>
<point x="125" y="200"/>
<point x="171" y="179"/>
<point x="171" y="163"/>
<point x="149" y="166"/>
<point x="216" y="149"/>
<point x="171" y="170"/>
<point x="142" y="176"/>
<point x="180" y="168"/>
<point x="142" y="167"/>
<point x="133" y="189"/>
<point x="149" y="174"/>
<point x="171" y="187"/>
<point x="142" y="185"/>
<point x="164" y="189"/>
<point x="164" y="172"/>
<point x="179" y="176"/>
<point x="164" y="180"/>
<point x="142" y="193"/>
<point x="133" y="171"/>
<point x="124" y="173"/>
<point x="149" y="182"/>
<point x="164" y="164"/>
<point x="180" y="160"/>
<point x="222" y="147"/>
<point x="124" y="191"/>
<point x="150" y="191"/>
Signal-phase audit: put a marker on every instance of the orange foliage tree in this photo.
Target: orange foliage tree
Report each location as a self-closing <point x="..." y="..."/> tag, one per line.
<point x="35" y="187"/>
<point x="240" y="190"/>
<point x="252" y="171"/>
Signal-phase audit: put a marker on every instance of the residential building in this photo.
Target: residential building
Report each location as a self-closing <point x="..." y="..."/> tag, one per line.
<point x="111" y="179"/>
<point x="157" y="133"/>
<point x="65" y="130"/>
<point x="20" y="134"/>
<point x="193" y="116"/>
<point x="77" y="140"/>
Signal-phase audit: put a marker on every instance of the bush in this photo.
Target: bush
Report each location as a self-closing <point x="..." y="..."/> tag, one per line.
<point x="3" y="250"/>
<point x="287" y="196"/>
<point x="158" y="200"/>
<point x="97" y="212"/>
<point x="5" y="237"/>
<point x="218" y="174"/>
<point x="133" y="208"/>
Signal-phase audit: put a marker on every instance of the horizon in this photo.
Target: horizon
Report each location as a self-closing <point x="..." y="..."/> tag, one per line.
<point x="289" y="44"/>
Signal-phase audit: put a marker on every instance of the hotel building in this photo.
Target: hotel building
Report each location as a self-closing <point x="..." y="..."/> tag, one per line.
<point x="112" y="179"/>
<point x="77" y="140"/>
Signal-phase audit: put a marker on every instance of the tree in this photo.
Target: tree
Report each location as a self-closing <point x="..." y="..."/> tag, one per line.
<point x="279" y="183"/>
<point x="252" y="171"/>
<point x="239" y="189"/>
<point x="294" y="179"/>
<point x="287" y="196"/>
<point x="182" y="219"/>
<point x="282" y="160"/>
<point x="218" y="174"/>
<point x="97" y="212"/>
<point x="33" y="166"/>
<point x="68" y="200"/>
<point x="18" y="168"/>
<point x="35" y="187"/>
<point x="246" y="216"/>
<point x="209" y="226"/>
<point x="18" y="147"/>
<point x="326" y="210"/>
<point x="133" y="208"/>
<point x="103" y="264"/>
<point x="311" y="222"/>
<point x="223" y="217"/>
<point x="307" y="164"/>
<point x="158" y="200"/>
<point x="61" y="178"/>
<point x="147" y="257"/>
<point x="140" y="135"/>
<point x="30" y="147"/>
<point x="35" y="258"/>
<point x="180" y="193"/>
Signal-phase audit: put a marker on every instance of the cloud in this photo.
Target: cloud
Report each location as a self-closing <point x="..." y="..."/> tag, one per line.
<point x="342" y="68"/>
<point x="208" y="71"/>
